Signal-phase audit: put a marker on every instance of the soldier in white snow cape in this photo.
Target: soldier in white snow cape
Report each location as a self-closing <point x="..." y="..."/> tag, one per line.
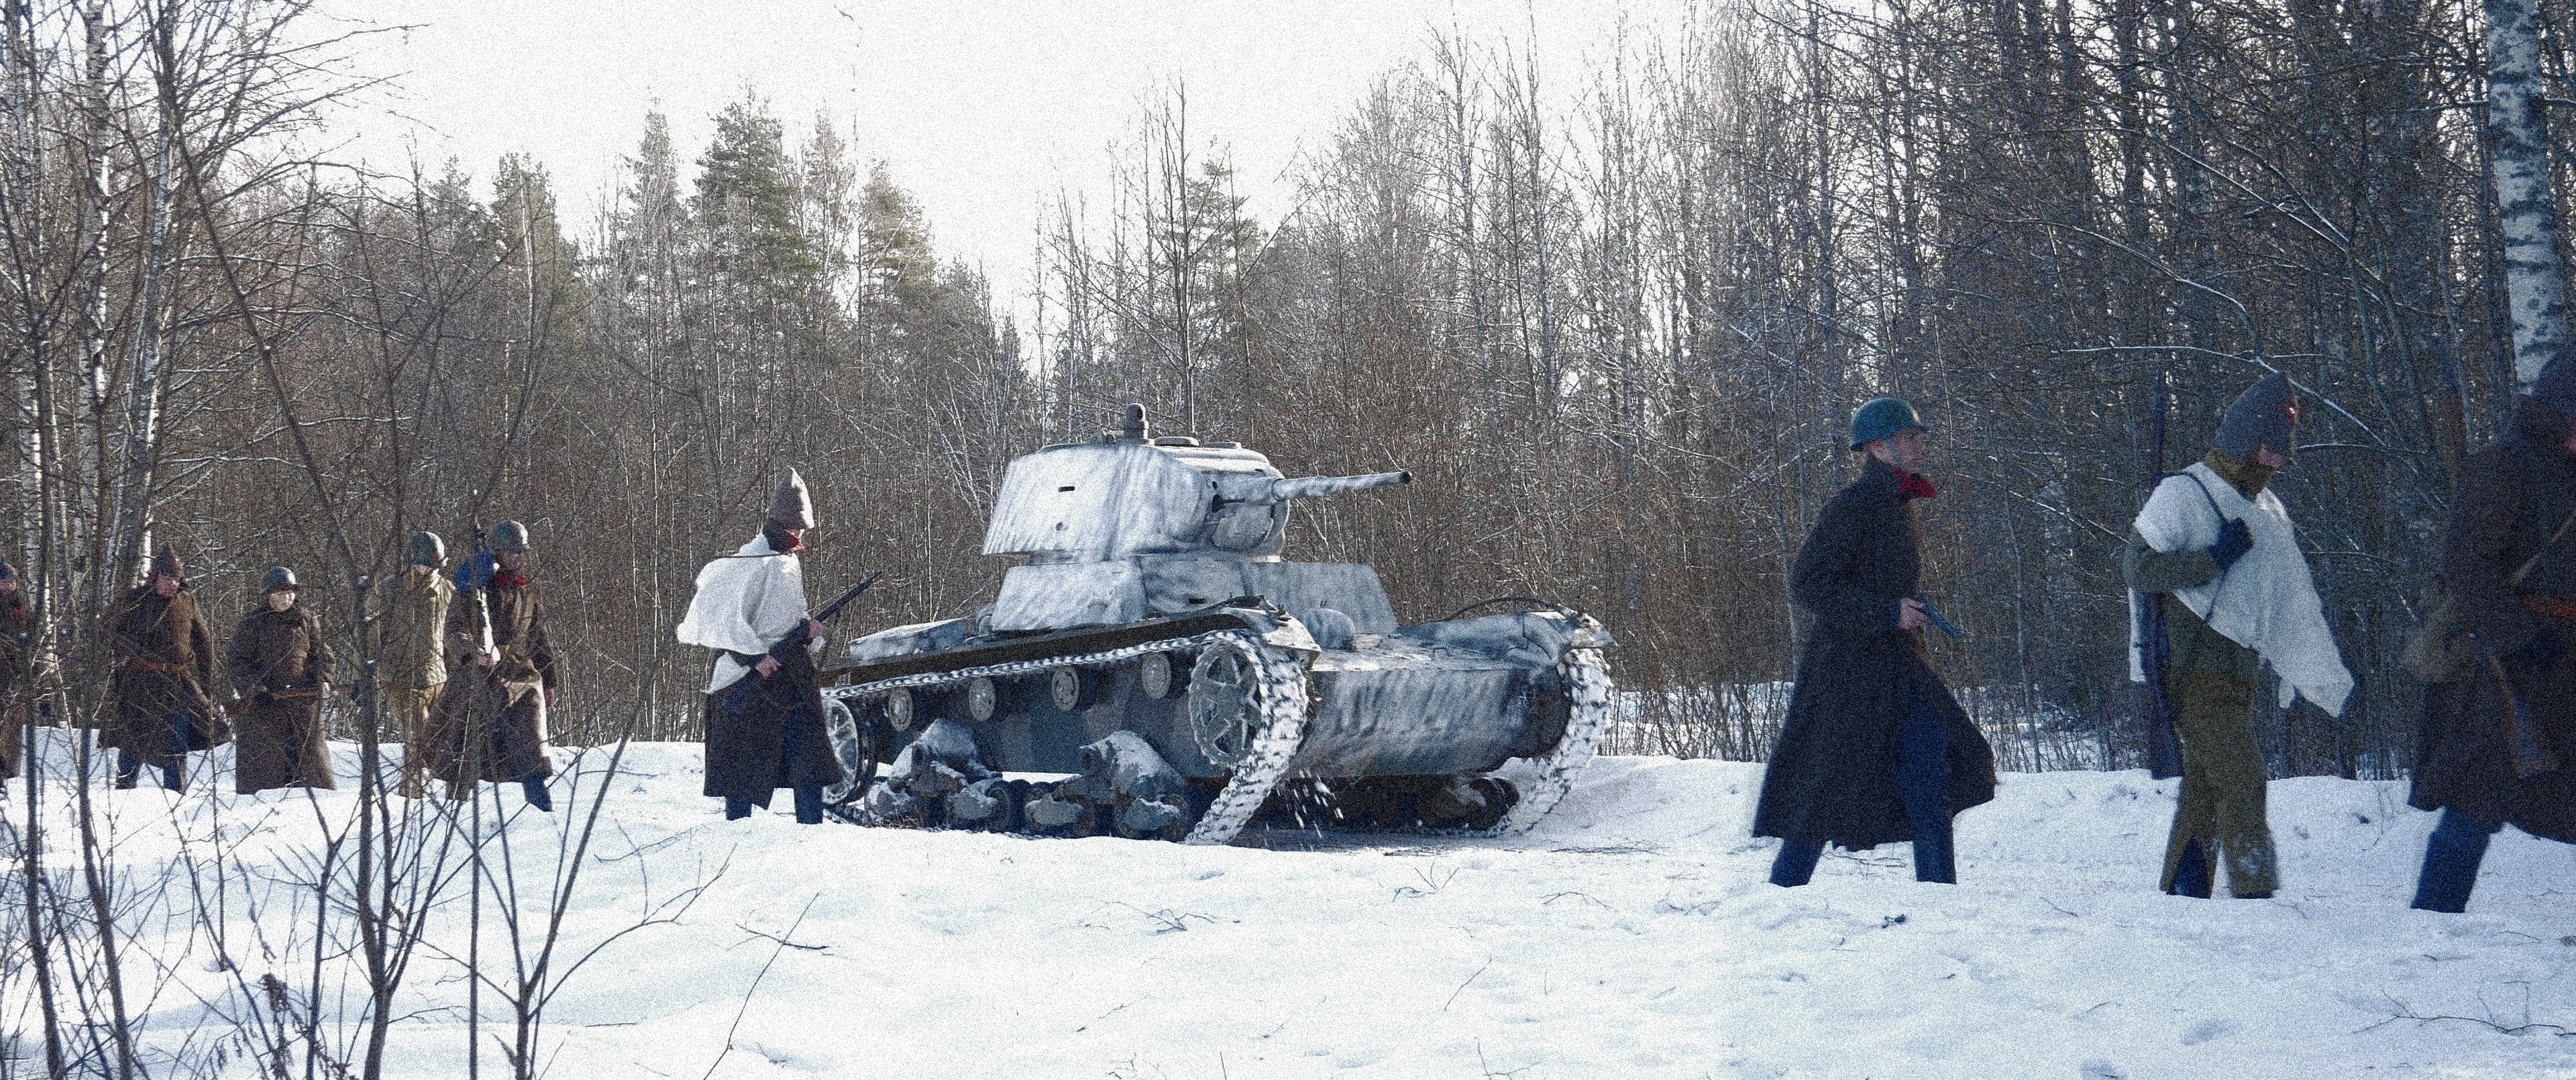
<point x="764" y="708"/>
<point x="2216" y="549"/>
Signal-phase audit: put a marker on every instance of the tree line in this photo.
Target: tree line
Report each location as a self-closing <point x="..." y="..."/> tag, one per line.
<point x="1615" y="327"/>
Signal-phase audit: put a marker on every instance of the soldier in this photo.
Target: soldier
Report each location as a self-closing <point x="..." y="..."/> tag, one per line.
<point x="1875" y="750"/>
<point x="411" y="657"/>
<point x="490" y="722"/>
<point x="2215" y="548"/>
<point x="281" y="672"/>
<point x="764" y="708"/>
<point x="13" y="654"/>
<point x="2490" y="740"/>
<point x="167" y="659"/>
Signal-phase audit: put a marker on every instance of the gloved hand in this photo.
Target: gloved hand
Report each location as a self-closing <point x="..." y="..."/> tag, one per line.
<point x="2234" y="539"/>
<point x="2541" y="651"/>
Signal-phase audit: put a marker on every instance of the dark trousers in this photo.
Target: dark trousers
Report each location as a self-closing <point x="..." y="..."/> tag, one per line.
<point x="1922" y="781"/>
<point x="2451" y="858"/>
<point x="129" y="768"/>
<point x="809" y="797"/>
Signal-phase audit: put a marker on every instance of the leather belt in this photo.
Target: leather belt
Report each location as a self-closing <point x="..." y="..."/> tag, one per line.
<point x="2548" y="605"/>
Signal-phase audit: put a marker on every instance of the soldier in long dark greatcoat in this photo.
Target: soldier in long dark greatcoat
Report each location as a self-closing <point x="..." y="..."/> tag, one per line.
<point x="13" y="656"/>
<point x="165" y="661"/>
<point x="764" y="708"/>
<point x="281" y="672"/>
<point x="2478" y="763"/>
<point x="1875" y="750"/>
<point x="490" y="723"/>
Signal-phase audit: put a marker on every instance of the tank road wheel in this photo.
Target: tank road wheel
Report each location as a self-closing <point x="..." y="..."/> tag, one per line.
<point x="1224" y="718"/>
<point x="855" y="745"/>
<point x="900" y="709"/>
<point x="1075" y="689"/>
<point x="983" y="699"/>
<point x="1154" y="675"/>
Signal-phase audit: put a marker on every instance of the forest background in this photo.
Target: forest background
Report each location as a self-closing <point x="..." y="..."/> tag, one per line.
<point x="1614" y="328"/>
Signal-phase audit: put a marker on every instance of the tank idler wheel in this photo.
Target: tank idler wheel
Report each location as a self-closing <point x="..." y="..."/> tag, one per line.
<point x="1223" y="720"/>
<point x="983" y="698"/>
<point x="900" y="709"/>
<point x="856" y="743"/>
<point x="1075" y="689"/>
<point x="1154" y="675"/>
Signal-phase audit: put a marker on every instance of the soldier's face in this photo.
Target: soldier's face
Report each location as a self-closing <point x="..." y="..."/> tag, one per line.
<point x="165" y="586"/>
<point x="422" y="569"/>
<point x="281" y="600"/>
<point x="511" y="560"/>
<point x="1906" y="450"/>
<point x="8" y="586"/>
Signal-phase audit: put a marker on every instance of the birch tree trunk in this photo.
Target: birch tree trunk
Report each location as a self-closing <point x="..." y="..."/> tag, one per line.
<point x="2535" y="290"/>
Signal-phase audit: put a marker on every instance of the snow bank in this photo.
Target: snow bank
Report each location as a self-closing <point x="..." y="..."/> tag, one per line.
<point x="1631" y="935"/>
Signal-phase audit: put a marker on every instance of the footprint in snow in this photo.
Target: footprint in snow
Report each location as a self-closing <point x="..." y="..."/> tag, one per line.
<point x="2098" y="1069"/>
<point x="2206" y="1030"/>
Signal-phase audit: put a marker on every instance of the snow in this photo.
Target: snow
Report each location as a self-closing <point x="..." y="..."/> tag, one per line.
<point x="1631" y="935"/>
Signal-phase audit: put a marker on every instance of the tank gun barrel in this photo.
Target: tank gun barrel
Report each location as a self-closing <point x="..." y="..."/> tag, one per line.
<point x="1307" y="487"/>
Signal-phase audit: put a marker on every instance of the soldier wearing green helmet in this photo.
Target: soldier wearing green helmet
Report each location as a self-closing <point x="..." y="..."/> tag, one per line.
<point x="280" y="666"/>
<point x="490" y="721"/>
<point x="1875" y="750"/>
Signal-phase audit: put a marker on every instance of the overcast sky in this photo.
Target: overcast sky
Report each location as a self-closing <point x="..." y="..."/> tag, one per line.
<point x="981" y="109"/>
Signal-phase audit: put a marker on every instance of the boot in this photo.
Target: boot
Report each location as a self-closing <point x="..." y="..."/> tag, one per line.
<point x="737" y="809"/>
<point x="809" y="805"/>
<point x="129" y="770"/>
<point x="1796" y="863"/>
<point x="535" y="787"/>
<point x="1934" y="858"/>
<point x="2451" y="858"/>
<point x="2192" y="876"/>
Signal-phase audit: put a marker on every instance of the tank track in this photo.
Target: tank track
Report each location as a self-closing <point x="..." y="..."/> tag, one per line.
<point x="1587" y="685"/>
<point x="1279" y="697"/>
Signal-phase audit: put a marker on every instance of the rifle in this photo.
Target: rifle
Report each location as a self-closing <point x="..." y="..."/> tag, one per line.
<point x="2530" y="752"/>
<point x="236" y="707"/>
<point x="2164" y="746"/>
<point x="1934" y="614"/>
<point x="737" y="697"/>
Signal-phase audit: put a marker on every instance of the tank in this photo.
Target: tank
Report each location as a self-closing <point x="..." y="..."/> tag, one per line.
<point x="1156" y="669"/>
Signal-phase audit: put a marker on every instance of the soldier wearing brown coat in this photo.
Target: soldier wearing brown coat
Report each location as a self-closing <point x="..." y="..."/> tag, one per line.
<point x="411" y="663"/>
<point x="165" y="661"/>
<point x="490" y="723"/>
<point x="13" y="656"/>
<point x="281" y="670"/>
<point x="2512" y="498"/>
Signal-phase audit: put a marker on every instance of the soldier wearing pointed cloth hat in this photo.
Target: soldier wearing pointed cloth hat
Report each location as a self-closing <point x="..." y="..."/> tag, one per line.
<point x="764" y="708"/>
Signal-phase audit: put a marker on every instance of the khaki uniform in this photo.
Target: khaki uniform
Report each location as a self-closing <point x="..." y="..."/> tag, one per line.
<point x="279" y="743"/>
<point x="411" y="664"/>
<point x="2211" y="680"/>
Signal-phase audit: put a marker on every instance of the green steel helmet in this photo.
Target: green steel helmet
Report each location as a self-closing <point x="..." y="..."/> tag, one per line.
<point x="510" y="536"/>
<point x="425" y="549"/>
<point x="1879" y="418"/>
<point x="278" y="578"/>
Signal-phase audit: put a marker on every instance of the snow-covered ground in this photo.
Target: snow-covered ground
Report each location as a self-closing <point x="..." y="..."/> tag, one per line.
<point x="1631" y="935"/>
